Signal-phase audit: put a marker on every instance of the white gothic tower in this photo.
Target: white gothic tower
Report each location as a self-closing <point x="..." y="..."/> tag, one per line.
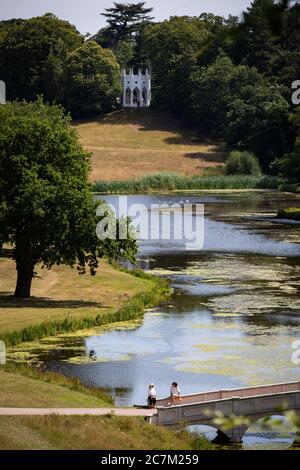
<point x="136" y="88"/>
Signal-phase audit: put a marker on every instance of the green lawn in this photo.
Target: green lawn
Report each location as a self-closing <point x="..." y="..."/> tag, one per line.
<point x="20" y="391"/>
<point x="61" y="293"/>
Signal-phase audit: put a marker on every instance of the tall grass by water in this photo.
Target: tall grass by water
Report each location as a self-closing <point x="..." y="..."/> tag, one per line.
<point x="173" y="182"/>
<point x="131" y="309"/>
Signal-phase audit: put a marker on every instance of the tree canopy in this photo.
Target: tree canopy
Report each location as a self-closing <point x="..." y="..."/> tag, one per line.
<point x="47" y="210"/>
<point x="124" y="31"/>
<point x="92" y="78"/>
<point x="32" y="55"/>
<point x="125" y="19"/>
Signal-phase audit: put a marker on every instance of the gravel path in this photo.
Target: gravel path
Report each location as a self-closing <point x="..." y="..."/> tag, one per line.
<point x="76" y="411"/>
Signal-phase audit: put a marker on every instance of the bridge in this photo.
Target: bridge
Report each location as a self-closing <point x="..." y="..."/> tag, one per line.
<point x="251" y="402"/>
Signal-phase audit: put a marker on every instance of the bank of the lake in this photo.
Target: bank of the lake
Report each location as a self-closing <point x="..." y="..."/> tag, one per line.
<point x="291" y="213"/>
<point x="63" y="301"/>
<point x="155" y="182"/>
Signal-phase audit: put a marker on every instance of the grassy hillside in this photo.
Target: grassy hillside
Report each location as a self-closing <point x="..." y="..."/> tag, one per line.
<point x="45" y="390"/>
<point x="136" y="142"/>
<point x="91" y="432"/>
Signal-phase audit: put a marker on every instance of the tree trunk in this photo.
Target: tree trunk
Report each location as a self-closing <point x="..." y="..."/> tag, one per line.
<point x="24" y="279"/>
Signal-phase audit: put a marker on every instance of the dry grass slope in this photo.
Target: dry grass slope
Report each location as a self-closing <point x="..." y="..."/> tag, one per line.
<point x="131" y="143"/>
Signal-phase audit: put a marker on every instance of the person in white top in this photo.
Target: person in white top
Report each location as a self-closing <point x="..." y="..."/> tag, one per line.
<point x="151" y="396"/>
<point x="174" y="392"/>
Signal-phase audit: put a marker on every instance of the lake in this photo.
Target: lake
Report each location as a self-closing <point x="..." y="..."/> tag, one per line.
<point x="232" y="317"/>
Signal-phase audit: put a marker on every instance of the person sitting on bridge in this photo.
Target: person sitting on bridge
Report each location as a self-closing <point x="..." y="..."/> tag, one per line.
<point x="151" y="396"/>
<point x="175" y="393"/>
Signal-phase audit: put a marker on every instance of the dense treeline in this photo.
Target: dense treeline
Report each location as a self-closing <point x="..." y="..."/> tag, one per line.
<point x="48" y="56"/>
<point x="231" y="77"/>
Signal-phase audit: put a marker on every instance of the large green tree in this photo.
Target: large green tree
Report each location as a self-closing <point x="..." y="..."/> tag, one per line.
<point x="210" y="95"/>
<point x="47" y="210"/>
<point x="92" y="80"/>
<point x="289" y="164"/>
<point x="32" y="56"/>
<point x="173" y="47"/>
<point x="257" y="45"/>
<point x="123" y="22"/>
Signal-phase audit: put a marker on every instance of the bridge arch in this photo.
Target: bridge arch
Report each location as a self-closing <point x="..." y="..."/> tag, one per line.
<point x="284" y="432"/>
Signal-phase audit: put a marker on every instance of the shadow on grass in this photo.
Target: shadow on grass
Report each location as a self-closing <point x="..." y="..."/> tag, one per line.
<point x="152" y="120"/>
<point x="7" y="300"/>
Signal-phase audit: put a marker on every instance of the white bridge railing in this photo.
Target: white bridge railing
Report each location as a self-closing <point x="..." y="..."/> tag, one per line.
<point x="255" y="402"/>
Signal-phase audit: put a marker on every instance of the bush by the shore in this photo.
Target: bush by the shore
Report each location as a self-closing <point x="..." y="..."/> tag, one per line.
<point x="292" y="213"/>
<point x="242" y="163"/>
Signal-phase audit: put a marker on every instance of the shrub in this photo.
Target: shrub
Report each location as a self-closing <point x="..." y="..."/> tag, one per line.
<point x="292" y="213"/>
<point x="242" y="163"/>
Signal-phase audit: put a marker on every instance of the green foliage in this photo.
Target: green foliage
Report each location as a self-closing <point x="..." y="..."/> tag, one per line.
<point x="33" y="54"/>
<point x="258" y="119"/>
<point x="292" y="213"/>
<point x="124" y="53"/>
<point x="238" y="103"/>
<point x="211" y="95"/>
<point x="289" y="164"/>
<point x="48" y="56"/>
<point x="92" y="80"/>
<point x="242" y="163"/>
<point x="258" y="43"/>
<point x="173" y="47"/>
<point x="124" y="31"/>
<point x="124" y="19"/>
<point x="173" y="182"/>
<point x="47" y="211"/>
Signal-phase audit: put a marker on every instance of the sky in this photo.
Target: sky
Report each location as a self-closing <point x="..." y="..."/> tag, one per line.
<point x="85" y="14"/>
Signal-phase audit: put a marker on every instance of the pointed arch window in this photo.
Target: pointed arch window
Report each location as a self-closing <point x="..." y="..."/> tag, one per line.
<point x="128" y="96"/>
<point x="136" y="96"/>
<point x="145" y="95"/>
